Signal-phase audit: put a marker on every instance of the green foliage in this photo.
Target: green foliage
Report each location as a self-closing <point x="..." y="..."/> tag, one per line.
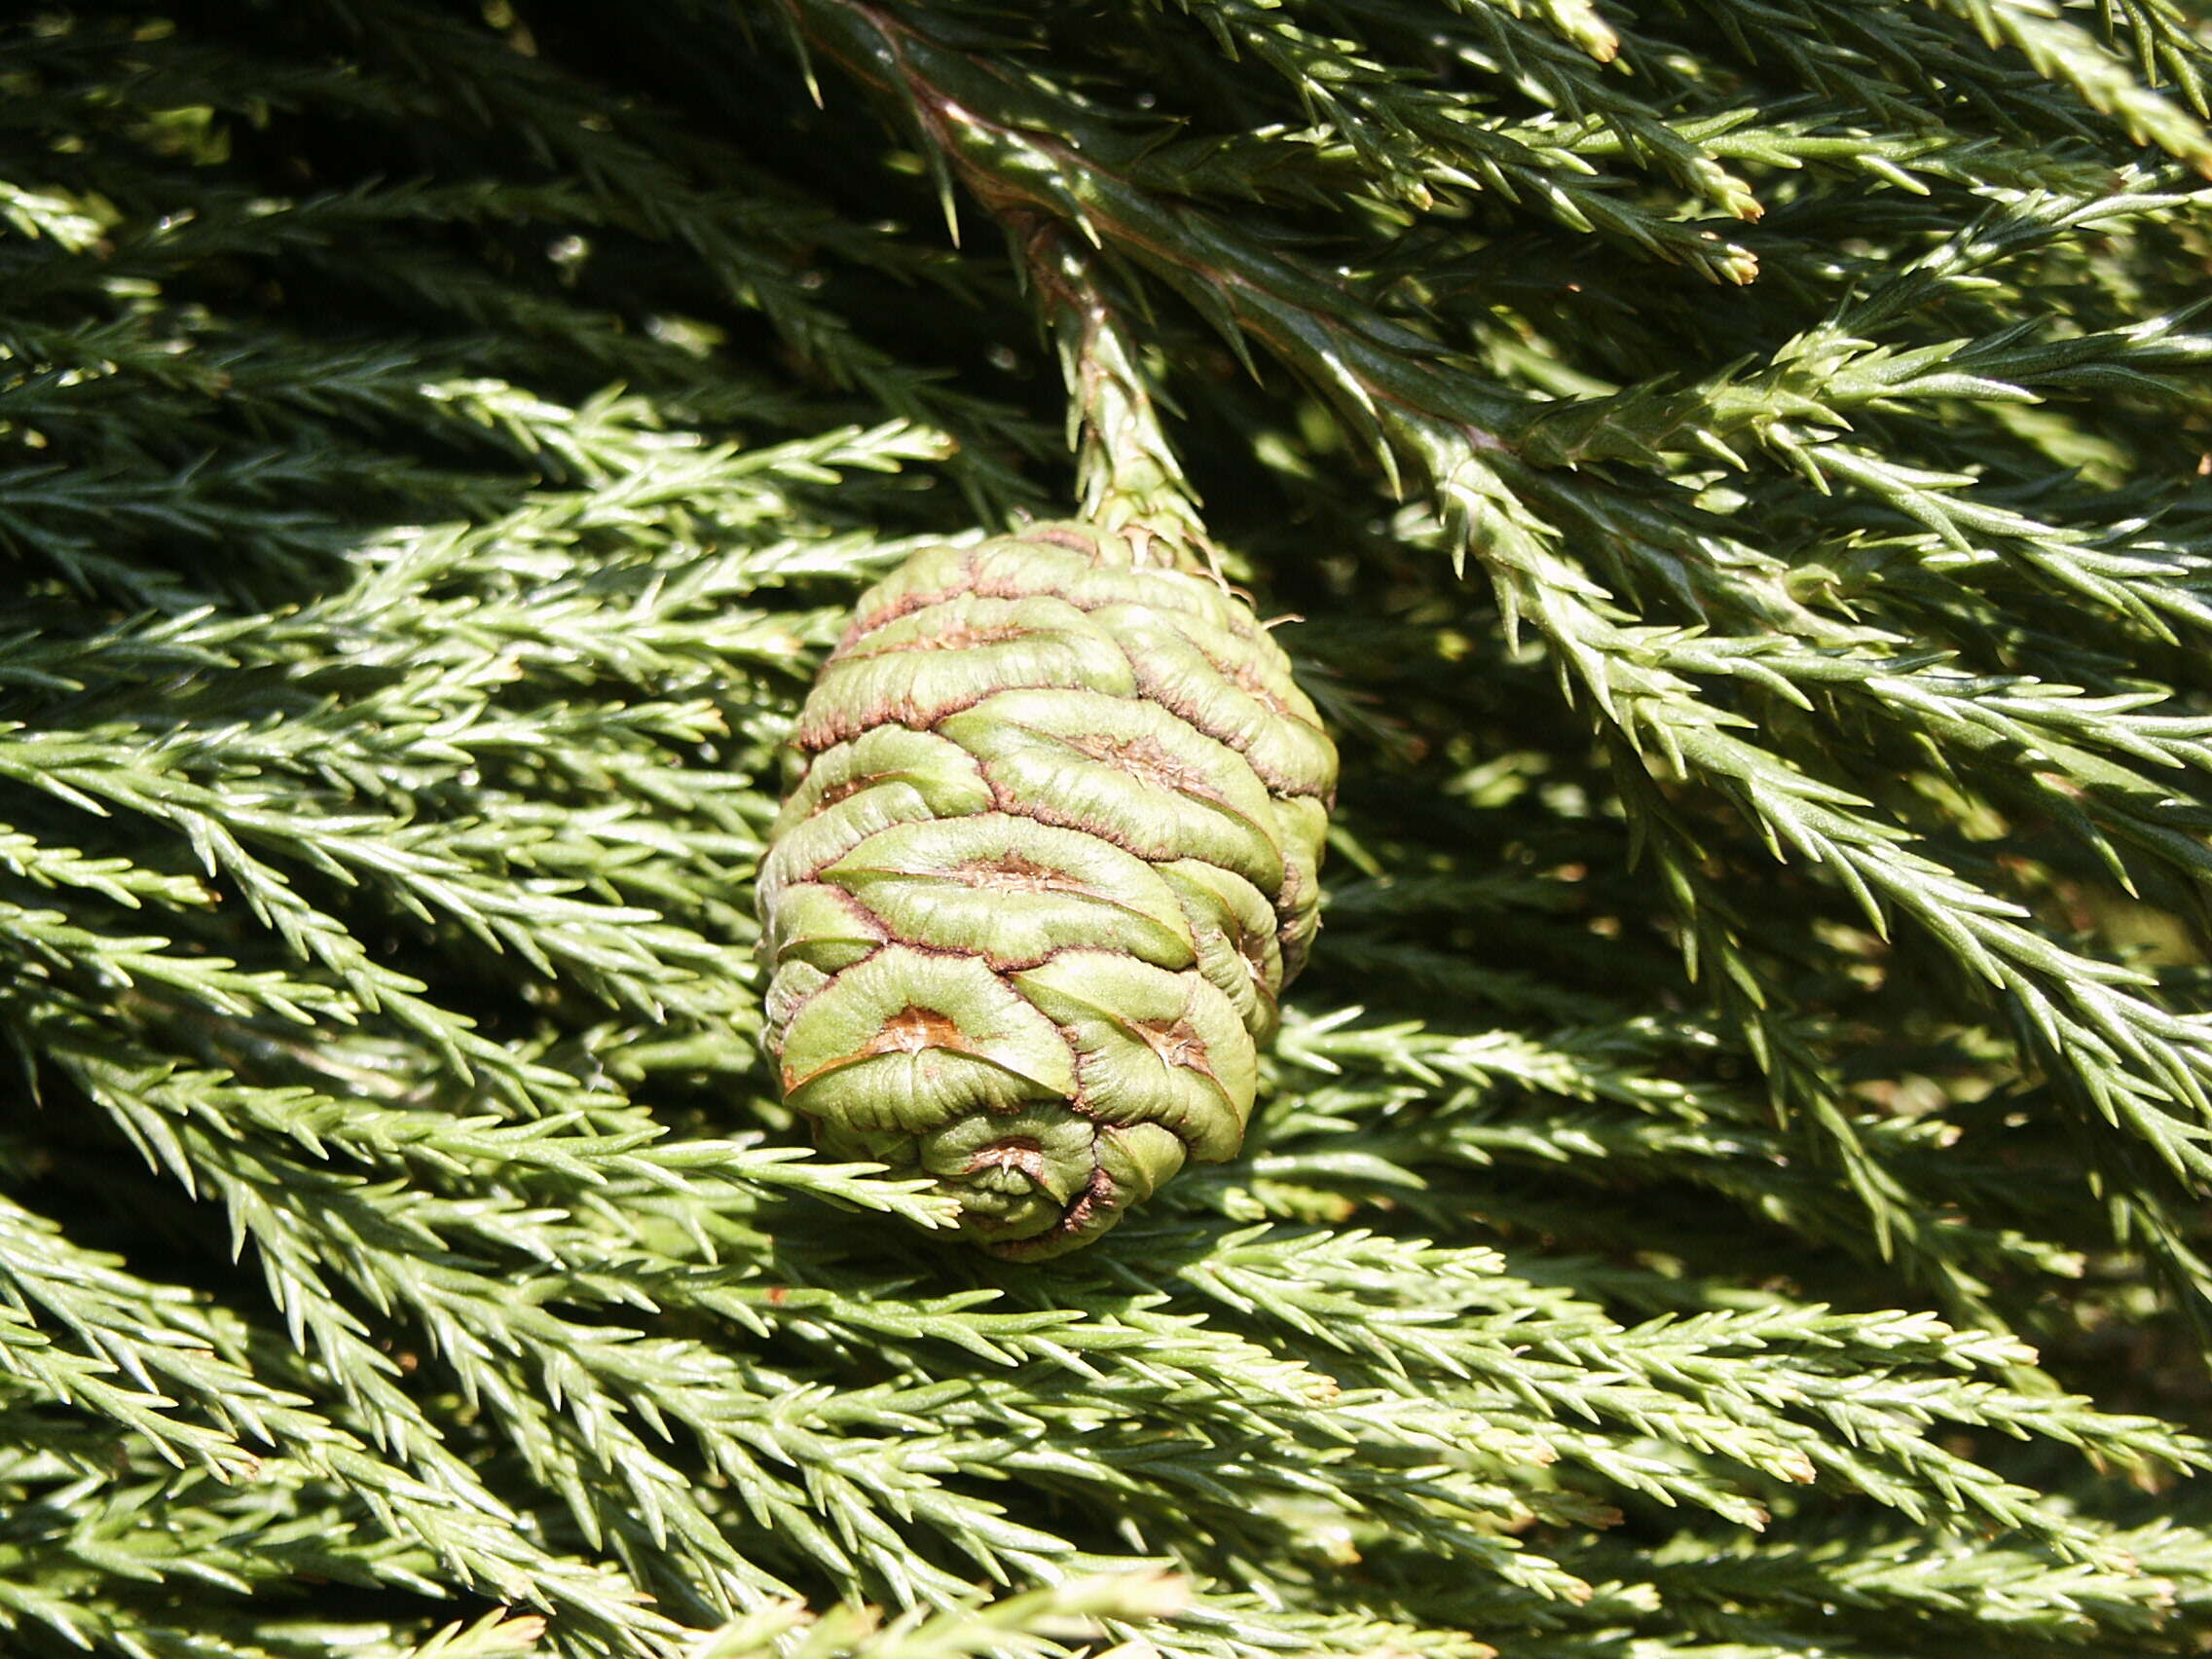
<point x="1732" y="1180"/>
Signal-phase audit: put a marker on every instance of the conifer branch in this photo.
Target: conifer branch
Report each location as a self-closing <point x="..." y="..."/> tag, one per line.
<point x="1683" y="1211"/>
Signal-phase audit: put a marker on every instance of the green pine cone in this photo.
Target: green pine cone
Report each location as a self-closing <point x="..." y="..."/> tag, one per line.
<point x="1049" y="859"/>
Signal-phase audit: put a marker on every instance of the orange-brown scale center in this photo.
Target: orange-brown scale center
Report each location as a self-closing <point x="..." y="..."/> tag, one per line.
<point x="1143" y="757"/>
<point x="1013" y="874"/>
<point x="913" y="1028"/>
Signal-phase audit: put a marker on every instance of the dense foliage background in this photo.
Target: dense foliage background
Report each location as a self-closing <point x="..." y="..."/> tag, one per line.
<point x="1731" y="1184"/>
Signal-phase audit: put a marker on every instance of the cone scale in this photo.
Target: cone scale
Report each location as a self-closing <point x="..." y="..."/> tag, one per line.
<point x="1049" y="860"/>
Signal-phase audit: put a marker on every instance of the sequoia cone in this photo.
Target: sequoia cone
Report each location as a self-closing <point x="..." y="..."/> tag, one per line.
<point x="1049" y="861"/>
